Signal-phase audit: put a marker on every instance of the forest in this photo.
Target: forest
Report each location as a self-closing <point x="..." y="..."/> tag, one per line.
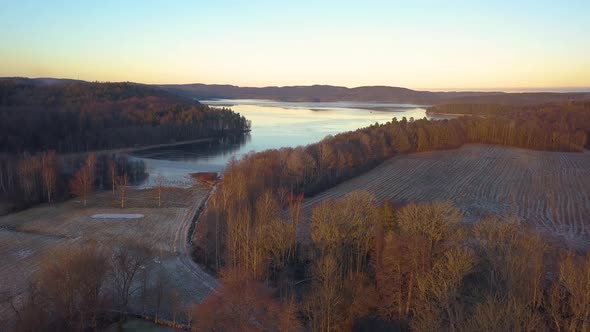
<point x="78" y="117"/>
<point x="355" y="267"/>
<point x="42" y="126"/>
<point x="570" y="116"/>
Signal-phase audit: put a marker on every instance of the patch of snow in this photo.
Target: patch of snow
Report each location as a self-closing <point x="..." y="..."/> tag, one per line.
<point x="24" y="253"/>
<point x="117" y="216"/>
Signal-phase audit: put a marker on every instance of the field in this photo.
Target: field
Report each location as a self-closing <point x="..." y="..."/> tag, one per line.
<point x="27" y="236"/>
<point x="549" y="190"/>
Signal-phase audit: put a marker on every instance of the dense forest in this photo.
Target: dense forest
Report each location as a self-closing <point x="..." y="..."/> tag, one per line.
<point x="73" y="117"/>
<point x="365" y="264"/>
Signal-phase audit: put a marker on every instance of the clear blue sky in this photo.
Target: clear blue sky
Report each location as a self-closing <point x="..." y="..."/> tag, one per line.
<point x="417" y="44"/>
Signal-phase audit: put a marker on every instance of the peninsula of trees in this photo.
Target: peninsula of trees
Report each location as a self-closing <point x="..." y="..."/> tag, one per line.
<point x="82" y="116"/>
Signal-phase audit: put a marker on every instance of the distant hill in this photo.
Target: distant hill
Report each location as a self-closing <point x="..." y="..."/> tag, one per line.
<point x="40" y="80"/>
<point x="329" y="93"/>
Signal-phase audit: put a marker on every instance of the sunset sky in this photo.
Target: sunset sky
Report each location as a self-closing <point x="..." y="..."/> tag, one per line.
<point x="415" y="44"/>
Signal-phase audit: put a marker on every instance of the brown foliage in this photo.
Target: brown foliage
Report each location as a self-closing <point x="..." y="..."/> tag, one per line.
<point x="569" y="297"/>
<point x="72" y="283"/>
<point x="207" y="178"/>
<point x="243" y="304"/>
<point x="344" y="229"/>
<point x="160" y="188"/>
<point x="83" y="182"/>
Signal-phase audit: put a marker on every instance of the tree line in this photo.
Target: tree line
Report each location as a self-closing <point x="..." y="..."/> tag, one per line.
<point x="74" y="117"/>
<point x="573" y="116"/>
<point x="47" y="177"/>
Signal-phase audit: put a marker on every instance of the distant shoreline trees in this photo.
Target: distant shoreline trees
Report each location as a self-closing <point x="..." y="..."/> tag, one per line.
<point x="549" y="126"/>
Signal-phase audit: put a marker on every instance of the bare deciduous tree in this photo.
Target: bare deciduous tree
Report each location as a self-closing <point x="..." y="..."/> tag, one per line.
<point x="83" y="182"/>
<point x="113" y="174"/>
<point x="126" y="262"/>
<point x="243" y="304"/>
<point x="160" y="188"/>
<point x="174" y="301"/>
<point x="122" y="188"/>
<point x="49" y="169"/>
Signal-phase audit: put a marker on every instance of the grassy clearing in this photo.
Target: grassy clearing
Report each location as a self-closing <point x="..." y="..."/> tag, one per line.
<point x="26" y="237"/>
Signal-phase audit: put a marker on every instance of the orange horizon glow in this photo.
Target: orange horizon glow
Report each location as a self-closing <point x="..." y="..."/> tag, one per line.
<point x="480" y="46"/>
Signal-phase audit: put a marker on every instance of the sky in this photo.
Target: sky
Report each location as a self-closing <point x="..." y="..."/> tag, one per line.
<point x="437" y="45"/>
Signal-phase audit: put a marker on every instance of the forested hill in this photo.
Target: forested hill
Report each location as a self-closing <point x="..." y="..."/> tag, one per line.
<point x="328" y="93"/>
<point x="70" y="116"/>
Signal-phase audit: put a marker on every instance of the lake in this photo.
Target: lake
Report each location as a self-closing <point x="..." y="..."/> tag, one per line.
<point x="274" y="125"/>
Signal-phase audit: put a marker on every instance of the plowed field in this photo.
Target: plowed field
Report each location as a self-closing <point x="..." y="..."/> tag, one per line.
<point x="550" y="190"/>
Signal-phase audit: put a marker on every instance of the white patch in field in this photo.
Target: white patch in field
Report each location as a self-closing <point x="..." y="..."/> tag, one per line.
<point x="24" y="253"/>
<point x="117" y="216"/>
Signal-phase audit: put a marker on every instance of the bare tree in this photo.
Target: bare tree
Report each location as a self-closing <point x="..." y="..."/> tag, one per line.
<point x="113" y="174"/>
<point x="242" y="304"/>
<point x="160" y="188"/>
<point x="175" y="304"/>
<point x="126" y="262"/>
<point x="49" y="173"/>
<point x="28" y="171"/>
<point x="72" y="280"/>
<point x="322" y="306"/>
<point x="569" y="299"/>
<point x="190" y="311"/>
<point x="159" y="292"/>
<point x="122" y="187"/>
<point x="144" y="280"/>
<point x="83" y="182"/>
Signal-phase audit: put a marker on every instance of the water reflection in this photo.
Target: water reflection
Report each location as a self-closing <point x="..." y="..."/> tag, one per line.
<point x="204" y="151"/>
<point x="274" y="125"/>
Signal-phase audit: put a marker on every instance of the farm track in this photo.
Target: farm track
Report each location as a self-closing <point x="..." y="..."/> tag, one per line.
<point x="549" y="190"/>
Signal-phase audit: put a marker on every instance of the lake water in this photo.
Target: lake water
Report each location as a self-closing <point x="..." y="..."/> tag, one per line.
<point x="274" y="125"/>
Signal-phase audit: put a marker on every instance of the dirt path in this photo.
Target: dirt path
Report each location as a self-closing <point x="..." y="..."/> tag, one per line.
<point x="182" y="244"/>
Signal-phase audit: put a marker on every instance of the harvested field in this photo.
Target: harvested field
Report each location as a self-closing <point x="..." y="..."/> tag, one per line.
<point x="549" y="190"/>
<point x="26" y="236"/>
